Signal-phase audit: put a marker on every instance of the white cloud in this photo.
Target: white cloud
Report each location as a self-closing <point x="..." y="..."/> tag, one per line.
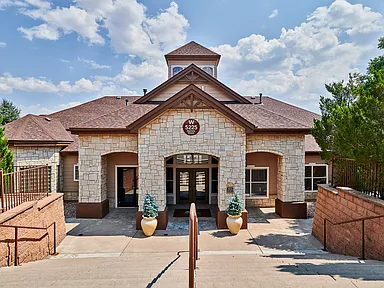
<point x="8" y="83"/>
<point x="64" y="60"/>
<point x="127" y="25"/>
<point x="39" y="109"/>
<point x="42" y="31"/>
<point x="93" y="64"/>
<point x="274" y="14"/>
<point x="3" y="44"/>
<point x="296" y="65"/>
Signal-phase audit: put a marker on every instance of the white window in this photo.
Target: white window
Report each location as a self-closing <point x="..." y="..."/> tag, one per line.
<point x="315" y="174"/>
<point x="209" y="70"/>
<point x="76" y="172"/>
<point x="176" y="70"/>
<point x="257" y="182"/>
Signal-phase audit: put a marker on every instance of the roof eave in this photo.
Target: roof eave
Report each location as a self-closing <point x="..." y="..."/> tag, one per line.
<point x="303" y="131"/>
<point x="80" y="131"/>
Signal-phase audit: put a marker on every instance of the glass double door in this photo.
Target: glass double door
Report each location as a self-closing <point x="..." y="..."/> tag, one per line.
<point x="192" y="185"/>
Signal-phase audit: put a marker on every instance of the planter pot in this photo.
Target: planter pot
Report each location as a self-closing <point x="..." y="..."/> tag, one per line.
<point x="148" y="225"/>
<point x="234" y="223"/>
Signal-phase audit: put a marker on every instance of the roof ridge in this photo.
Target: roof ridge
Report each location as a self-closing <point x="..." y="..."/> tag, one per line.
<point x="273" y="112"/>
<point x="93" y="119"/>
<point x="291" y="105"/>
<point x="45" y="129"/>
<point x="192" y="43"/>
<point x="22" y="126"/>
<point x="66" y="109"/>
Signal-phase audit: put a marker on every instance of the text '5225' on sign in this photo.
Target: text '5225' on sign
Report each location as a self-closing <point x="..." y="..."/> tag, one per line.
<point x="191" y="127"/>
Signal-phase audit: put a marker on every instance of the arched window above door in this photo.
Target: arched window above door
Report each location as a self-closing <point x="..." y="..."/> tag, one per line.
<point x="176" y="70"/>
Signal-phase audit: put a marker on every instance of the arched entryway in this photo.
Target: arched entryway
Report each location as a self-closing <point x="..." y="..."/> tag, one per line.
<point x="192" y="178"/>
<point x="120" y="178"/>
<point x="262" y="178"/>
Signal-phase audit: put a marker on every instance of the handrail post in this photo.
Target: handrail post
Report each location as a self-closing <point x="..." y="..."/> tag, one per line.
<point x="2" y="191"/>
<point x="16" y="244"/>
<point x="362" y="239"/>
<point x="325" y="234"/>
<point x="54" y="238"/>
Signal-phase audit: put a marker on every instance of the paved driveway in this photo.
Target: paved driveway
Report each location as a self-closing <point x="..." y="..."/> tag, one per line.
<point x="273" y="252"/>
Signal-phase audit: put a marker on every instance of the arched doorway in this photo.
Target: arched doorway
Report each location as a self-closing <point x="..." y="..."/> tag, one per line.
<point x="192" y="177"/>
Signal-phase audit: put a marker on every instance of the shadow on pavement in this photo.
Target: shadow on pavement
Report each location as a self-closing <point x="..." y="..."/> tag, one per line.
<point x="363" y="271"/>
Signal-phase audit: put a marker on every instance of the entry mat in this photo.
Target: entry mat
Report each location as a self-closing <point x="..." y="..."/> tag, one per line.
<point x="185" y="213"/>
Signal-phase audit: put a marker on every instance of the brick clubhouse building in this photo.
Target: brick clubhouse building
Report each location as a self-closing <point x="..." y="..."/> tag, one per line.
<point x="190" y="139"/>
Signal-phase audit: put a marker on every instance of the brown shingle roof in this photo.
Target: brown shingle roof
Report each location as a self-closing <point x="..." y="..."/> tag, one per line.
<point x="36" y="128"/>
<point x="192" y="49"/>
<point x="72" y="117"/>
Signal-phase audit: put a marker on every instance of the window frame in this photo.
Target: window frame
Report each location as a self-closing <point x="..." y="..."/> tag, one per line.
<point x="250" y="168"/>
<point x="74" y="172"/>
<point x="312" y="177"/>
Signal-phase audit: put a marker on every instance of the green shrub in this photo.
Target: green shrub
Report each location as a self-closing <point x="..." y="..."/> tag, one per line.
<point x="150" y="210"/>
<point x="235" y="206"/>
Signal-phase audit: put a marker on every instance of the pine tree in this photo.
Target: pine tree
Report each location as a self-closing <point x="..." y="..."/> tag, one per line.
<point x="8" y="111"/>
<point x="150" y="210"/>
<point x="235" y="206"/>
<point x="6" y="156"/>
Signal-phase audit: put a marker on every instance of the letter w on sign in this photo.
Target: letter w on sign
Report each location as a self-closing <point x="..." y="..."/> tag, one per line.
<point x="191" y="121"/>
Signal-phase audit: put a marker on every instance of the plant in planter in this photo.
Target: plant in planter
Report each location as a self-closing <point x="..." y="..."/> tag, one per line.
<point x="234" y="211"/>
<point x="150" y="212"/>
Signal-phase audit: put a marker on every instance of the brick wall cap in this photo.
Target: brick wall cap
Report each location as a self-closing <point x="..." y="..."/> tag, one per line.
<point x="48" y="200"/>
<point x="329" y="188"/>
<point x="8" y="215"/>
<point x="361" y="195"/>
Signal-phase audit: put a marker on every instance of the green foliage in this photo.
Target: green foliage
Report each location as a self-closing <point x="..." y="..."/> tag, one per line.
<point x="8" y="111"/>
<point x="235" y="206"/>
<point x="150" y="210"/>
<point x="352" y="122"/>
<point x="6" y="156"/>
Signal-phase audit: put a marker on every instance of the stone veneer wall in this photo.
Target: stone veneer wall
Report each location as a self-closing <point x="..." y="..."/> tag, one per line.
<point x="32" y="156"/>
<point x="291" y="165"/>
<point x="93" y="166"/>
<point x="164" y="137"/>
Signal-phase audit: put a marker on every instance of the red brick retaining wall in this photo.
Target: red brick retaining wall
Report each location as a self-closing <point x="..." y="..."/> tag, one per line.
<point x="343" y="204"/>
<point x="33" y="244"/>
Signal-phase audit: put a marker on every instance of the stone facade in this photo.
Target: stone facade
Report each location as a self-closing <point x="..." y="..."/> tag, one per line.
<point x="291" y="167"/>
<point x="32" y="156"/>
<point x="164" y="137"/>
<point x="93" y="166"/>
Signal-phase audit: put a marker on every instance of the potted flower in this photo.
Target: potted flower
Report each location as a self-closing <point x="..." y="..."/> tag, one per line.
<point x="234" y="211"/>
<point x="150" y="212"/>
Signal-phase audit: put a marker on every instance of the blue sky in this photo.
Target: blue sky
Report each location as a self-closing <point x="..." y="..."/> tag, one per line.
<point x="56" y="54"/>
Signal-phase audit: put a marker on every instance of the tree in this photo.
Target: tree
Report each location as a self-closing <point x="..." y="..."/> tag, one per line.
<point x="8" y="111"/>
<point x="352" y="122"/>
<point x="6" y="155"/>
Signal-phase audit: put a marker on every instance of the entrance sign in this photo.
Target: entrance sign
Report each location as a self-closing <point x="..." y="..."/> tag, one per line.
<point x="191" y="127"/>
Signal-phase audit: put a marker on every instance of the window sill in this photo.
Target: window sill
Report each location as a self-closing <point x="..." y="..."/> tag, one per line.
<point x="256" y="197"/>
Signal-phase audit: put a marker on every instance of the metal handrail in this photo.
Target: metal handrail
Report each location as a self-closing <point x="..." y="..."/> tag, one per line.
<point x="363" y="219"/>
<point x="30" y="227"/>
<point x="193" y="244"/>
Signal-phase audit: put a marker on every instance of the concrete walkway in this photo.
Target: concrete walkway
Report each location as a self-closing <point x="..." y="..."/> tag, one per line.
<point x="273" y="252"/>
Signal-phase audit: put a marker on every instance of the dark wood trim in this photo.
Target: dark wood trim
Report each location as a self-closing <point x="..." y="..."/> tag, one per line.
<point x="192" y="185"/>
<point x="38" y="143"/>
<point x="175" y="100"/>
<point x="162" y="219"/>
<point x="72" y="153"/>
<point x="92" y="210"/>
<point x="79" y="131"/>
<point x="184" y="73"/>
<point x="291" y="210"/>
<point x="304" y="131"/>
<point x="222" y="216"/>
